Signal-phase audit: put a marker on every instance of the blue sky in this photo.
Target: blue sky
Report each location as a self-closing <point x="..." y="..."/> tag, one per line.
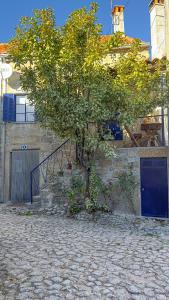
<point x="136" y="14"/>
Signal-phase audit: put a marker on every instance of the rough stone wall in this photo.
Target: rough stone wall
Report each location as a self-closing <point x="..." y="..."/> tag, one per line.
<point x="33" y="136"/>
<point x="37" y="138"/>
<point x="125" y="159"/>
<point x="109" y="170"/>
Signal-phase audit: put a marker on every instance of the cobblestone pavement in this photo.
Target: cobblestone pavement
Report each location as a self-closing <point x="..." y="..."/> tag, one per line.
<point x="59" y="258"/>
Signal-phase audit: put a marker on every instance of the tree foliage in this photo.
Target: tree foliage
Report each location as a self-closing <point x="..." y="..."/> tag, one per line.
<point x="62" y="71"/>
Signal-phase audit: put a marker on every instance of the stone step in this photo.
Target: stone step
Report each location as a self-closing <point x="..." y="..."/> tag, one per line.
<point x="33" y="205"/>
<point x="44" y="192"/>
<point x="36" y="198"/>
<point x="36" y="201"/>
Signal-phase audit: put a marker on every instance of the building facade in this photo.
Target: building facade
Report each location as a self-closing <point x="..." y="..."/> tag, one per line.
<point x="24" y="143"/>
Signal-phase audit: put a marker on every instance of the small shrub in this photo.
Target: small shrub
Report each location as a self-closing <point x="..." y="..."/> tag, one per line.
<point x="127" y="184"/>
<point x="95" y="188"/>
<point x="75" y="194"/>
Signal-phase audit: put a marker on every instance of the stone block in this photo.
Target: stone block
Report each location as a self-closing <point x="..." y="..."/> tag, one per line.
<point x="153" y="152"/>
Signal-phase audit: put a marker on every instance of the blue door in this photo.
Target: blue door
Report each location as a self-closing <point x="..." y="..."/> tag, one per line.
<point x="154" y="187"/>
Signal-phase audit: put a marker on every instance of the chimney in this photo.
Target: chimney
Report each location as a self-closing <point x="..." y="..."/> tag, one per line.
<point x="118" y="18"/>
<point x="157" y="21"/>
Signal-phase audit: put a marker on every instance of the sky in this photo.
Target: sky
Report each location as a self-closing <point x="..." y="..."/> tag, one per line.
<point x="137" y="21"/>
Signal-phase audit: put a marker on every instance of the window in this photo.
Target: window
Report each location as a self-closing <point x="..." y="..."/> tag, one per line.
<point x="16" y="108"/>
<point x="25" y="112"/>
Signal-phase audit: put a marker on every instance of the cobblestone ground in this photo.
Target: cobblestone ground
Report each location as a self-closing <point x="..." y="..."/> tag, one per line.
<point x="59" y="258"/>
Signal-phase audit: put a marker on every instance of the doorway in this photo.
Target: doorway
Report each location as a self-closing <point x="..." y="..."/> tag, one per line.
<point x="154" y="187"/>
<point x="22" y="163"/>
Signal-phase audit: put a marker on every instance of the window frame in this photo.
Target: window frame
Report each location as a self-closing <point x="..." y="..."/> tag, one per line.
<point x="25" y="113"/>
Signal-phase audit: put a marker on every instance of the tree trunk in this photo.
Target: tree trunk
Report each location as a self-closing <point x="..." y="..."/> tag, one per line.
<point x="80" y="147"/>
<point x="88" y="173"/>
<point x="131" y="135"/>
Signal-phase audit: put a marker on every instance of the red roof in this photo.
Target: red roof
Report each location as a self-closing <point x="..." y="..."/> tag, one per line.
<point x="128" y="40"/>
<point x="104" y="38"/>
<point x="3" y="48"/>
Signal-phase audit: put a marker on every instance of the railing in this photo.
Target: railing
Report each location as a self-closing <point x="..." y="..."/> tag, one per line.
<point x="150" y="131"/>
<point x="52" y="166"/>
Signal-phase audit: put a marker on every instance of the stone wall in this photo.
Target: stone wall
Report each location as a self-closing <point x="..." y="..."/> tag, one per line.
<point x="37" y="138"/>
<point x="125" y="159"/>
<point x="30" y="134"/>
<point x="109" y="170"/>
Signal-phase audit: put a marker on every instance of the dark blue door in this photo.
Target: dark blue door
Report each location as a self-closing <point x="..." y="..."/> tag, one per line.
<point x="154" y="187"/>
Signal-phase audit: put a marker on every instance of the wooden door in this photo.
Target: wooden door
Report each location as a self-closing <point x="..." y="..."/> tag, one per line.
<point x="22" y="163"/>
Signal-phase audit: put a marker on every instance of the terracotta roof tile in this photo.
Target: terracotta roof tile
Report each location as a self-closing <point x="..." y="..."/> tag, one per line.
<point x="3" y="48"/>
<point x="128" y="40"/>
<point x="104" y="38"/>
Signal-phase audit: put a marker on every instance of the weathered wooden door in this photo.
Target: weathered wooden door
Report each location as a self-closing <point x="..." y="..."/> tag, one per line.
<point x="154" y="187"/>
<point x="22" y="162"/>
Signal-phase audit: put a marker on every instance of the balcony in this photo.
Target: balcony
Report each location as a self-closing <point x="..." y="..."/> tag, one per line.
<point x="151" y="131"/>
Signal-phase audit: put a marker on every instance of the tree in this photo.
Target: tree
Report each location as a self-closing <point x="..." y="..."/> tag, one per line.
<point x="72" y="90"/>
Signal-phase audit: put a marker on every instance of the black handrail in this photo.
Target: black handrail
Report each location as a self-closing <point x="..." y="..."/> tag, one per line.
<point x="40" y="164"/>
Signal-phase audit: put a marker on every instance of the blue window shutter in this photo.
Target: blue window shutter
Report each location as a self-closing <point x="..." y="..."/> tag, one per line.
<point x="9" y="108"/>
<point x="116" y="130"/>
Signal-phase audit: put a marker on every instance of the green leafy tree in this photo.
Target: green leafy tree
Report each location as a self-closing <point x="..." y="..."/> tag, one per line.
<point x="72" y="90"/>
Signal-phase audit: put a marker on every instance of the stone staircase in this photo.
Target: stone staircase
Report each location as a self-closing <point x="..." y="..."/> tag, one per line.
<point x="54" y="173"/>
<point x="46" y="199"/>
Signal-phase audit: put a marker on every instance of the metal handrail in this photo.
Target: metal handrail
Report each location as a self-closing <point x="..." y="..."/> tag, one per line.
<point x="41" y="163"/>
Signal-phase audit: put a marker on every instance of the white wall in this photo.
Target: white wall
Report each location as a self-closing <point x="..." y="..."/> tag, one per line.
<point x="167" y="27"/>
<point x="157" y="21"/>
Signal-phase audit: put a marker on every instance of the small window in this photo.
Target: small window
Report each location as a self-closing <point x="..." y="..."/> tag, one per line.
<point x="20" y="108"/>
<point x="21" y="100"/>
<point x="20" y="117"/>
<point x="25" y="112"/>
<point x="30" y="117"/>
<point x="30" y="108"/>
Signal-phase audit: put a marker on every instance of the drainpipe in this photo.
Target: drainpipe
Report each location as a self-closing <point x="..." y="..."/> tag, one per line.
<point x="163" y="138"/>
<point x="2" y="143"/>
<point x="163" y="129"/>
<point x="3" y="90"/>
<point x="166" y="4"/>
